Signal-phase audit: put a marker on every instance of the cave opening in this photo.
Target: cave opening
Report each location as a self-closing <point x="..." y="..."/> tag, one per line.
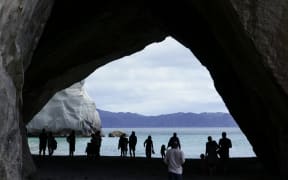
<point x="244" y="54"/>
<point x="163" y="79"/>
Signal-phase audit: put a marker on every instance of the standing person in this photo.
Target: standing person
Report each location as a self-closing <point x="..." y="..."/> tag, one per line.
<point x="97" y="141"/>
<point x="224" y="146"/>
<point x="162" y="151"/>
<point x="42" y="142"/>
<point x="52" y="144"/>
<point x="91" y="148"/>
<point x="211" y="155"/>
<point x="71" y="140"/>
<point x="172" y="139"/>
<point x="132" y="144"/>
<point x="122" y="145"/>
<point x="174" y="159"/>
<point x="149" y="149"/>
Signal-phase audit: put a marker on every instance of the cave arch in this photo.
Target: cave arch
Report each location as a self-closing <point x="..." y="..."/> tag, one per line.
<point x="164" y="75"/>
<point x="212" y="30"/>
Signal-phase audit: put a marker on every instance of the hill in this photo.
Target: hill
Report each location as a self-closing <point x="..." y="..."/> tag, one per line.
<point x="127" y="119"/>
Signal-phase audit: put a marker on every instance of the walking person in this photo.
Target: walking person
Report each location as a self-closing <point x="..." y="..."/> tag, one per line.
<point x="149" y="149"/>
<point x="211" y="155"/>
<point x="132" y="144"/>
<point x="174" y="159"/>
<point x="42" y="142"/>
<point x="224" y="145"/>
<point x="71" y="140"/>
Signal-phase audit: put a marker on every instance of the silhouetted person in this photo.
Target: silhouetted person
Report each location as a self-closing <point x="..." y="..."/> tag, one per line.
<point x="149" y="149"/>
<point x="42" y="142"/>
<point x="203" y="164"/>
<point x="162" y="151"/>
<point x="90" y="149"/>
<point x="123" y="145"/>
<point x="211" y="155"/>
<point x="174" y="159"/>
<point x="132" y="144"/>
<point x="52" y="143"/>
<point x="93" y="147"/>
<point x="224" y="146"/>
<point x="71" y="140"/>
<point x="97" y="141"/>
<point x="172" y="139"/>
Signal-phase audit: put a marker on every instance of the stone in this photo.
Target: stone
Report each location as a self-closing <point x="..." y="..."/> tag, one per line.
<point x="69" y="109"/>
<point x="116" y="134"/>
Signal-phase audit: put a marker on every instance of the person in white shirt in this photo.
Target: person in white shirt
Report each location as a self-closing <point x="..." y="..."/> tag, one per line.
<point x="174" y="159"/>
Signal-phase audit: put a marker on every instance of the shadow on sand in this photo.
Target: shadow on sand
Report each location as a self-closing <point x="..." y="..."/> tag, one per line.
<point x="108" y="168"/>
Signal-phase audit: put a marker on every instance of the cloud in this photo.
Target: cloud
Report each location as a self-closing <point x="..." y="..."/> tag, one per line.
<point x="163" y="78"/>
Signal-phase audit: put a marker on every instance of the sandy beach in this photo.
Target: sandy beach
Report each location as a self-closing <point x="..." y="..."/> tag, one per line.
<point x="108" y="168"/>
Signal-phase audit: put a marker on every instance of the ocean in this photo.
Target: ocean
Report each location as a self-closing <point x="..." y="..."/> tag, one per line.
<point x="192" y="140"/>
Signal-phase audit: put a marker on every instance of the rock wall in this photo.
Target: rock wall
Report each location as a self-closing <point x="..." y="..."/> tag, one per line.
<point x="266" y="24"/>
<point x="69" y="109"/>
<point x="20" y="29"/>
<point x="10" y="148"/>
<point x="239" y="46"/>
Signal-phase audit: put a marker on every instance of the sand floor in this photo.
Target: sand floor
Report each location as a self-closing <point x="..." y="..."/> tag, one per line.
<point x="108" y="168"/>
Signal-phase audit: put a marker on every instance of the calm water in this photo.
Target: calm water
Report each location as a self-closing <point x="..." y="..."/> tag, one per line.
<point x="193" y="141"/>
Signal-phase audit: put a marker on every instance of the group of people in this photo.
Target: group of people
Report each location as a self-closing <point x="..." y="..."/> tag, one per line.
<point x="47" y="140"/>
<point x="92" y="149"/>
<point x="124" y="142"/>
<point x="173" y="156"/>
<point x="214" y="152"/>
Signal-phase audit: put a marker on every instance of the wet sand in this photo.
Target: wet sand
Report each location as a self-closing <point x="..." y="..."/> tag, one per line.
<point x="108" y="168"/>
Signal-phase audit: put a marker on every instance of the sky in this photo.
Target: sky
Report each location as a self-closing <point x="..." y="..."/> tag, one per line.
<point x="163" y="78"/>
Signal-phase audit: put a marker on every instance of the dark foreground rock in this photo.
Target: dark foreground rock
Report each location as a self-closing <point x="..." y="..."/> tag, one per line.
<point x="106" y="168"/>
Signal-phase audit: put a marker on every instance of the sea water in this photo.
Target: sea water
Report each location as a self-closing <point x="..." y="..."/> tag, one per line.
<point x="192" y="140"/>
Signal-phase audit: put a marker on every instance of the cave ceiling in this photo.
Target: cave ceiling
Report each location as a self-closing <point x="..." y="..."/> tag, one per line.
<point x="80" y="37"/>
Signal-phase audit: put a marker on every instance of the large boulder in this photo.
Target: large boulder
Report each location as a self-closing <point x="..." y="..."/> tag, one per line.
<point x="69" y="109"/>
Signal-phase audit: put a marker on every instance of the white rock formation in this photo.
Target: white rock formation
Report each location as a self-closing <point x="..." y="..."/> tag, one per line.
<point x="69" y="109"/>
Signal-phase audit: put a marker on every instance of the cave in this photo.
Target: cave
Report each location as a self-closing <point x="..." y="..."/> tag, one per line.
<point x="48" y="46"/>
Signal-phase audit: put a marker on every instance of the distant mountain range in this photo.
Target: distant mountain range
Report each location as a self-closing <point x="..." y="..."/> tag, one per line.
<point x="127" y="119"/>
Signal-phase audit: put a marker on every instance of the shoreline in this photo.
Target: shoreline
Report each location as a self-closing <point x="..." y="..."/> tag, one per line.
<point x="108" y="168"/>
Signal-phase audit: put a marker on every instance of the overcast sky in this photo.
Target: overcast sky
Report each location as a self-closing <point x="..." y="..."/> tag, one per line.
<point x="163" y="78"/>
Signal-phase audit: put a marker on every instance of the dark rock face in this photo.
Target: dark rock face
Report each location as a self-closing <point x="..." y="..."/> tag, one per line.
<point x="21" y="24"/>
<point x="243" y="43"/>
